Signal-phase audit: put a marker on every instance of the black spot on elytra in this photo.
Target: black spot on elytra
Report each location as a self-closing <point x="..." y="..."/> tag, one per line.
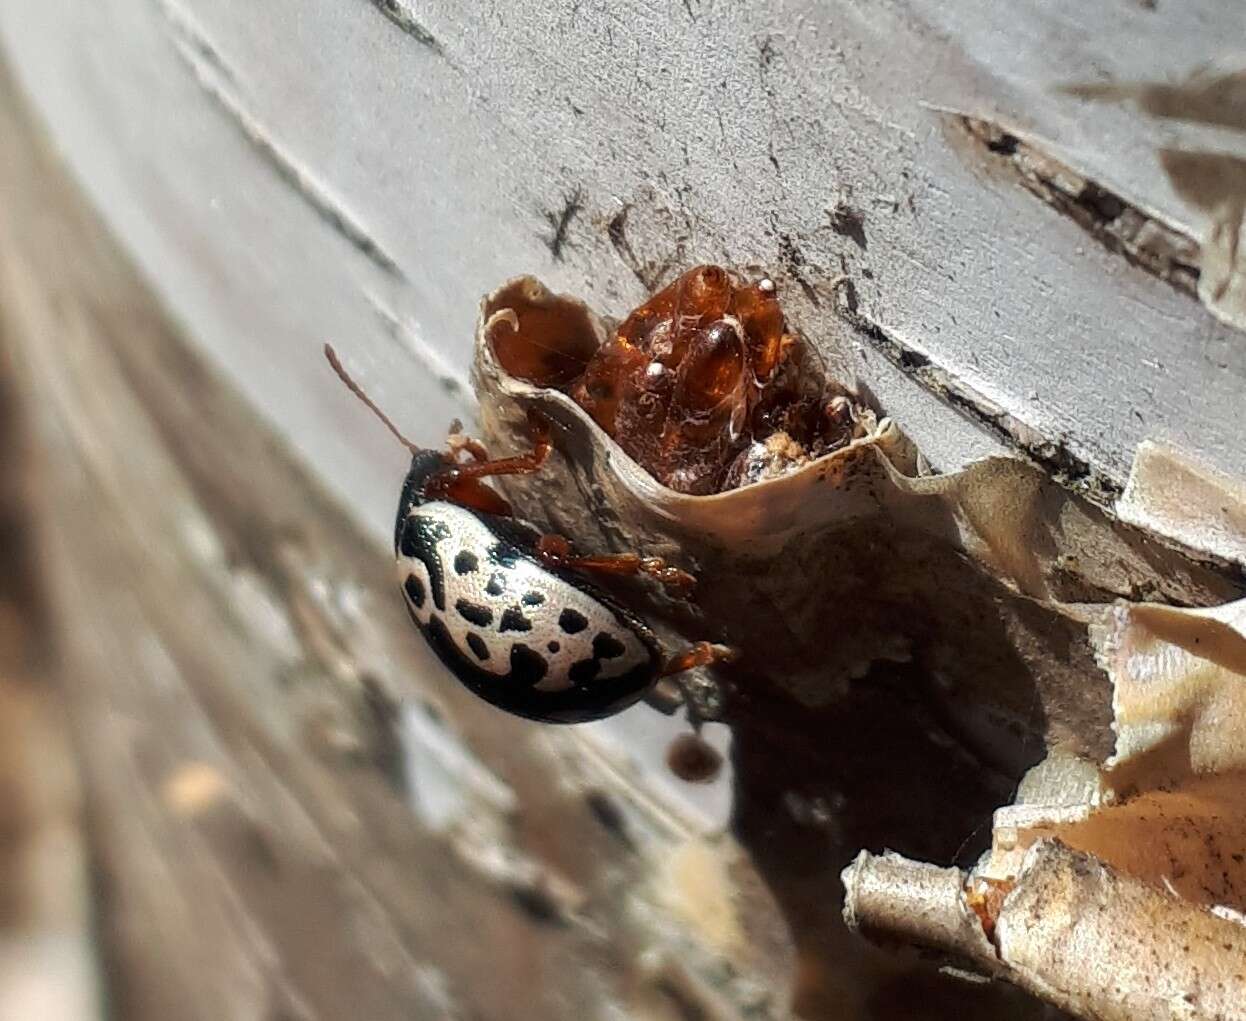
<point x="497" y="584"/>
<point x="572" y="621"/>
<point x="584" y="670"/>
<point x="533" y="599"/>
<point x="474" y="613"/>
<point x="420" y="535"/>
<point x="553" y="646"/>
<point x="503" y="554"/>
<point x="420" y="531"/>
<point x="415" y="590"/>
<point x="477" y="645"/>
<point x="527" y="666"/>
<point x="465" y="562"/>
<point x="514" y="620"/>
<point x="607" y="646"/>
<point x="589" y="697"/>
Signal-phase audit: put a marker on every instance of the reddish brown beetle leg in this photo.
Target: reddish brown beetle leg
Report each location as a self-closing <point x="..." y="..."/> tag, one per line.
<point x="556" y="550"/>
<point x="700" y="654"/>
<point x="462" y="483"/>
<point x="475" y="449"/>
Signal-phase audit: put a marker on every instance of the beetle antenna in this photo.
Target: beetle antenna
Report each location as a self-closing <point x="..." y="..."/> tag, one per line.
<point x="336" y="364"/>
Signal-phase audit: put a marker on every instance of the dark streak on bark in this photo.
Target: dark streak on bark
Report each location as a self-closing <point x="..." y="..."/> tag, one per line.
<point x="616" y="230"/>
<point x="399" y="14"/>
<point x="24" y="642"/>
<point x="561" y="221"/>
<point x="1053" y="455"/>
<point x="288" y="169"/>
<point x="1118" y="226"/>
<point x="411" y="344"/>
<point x="849" y="222"/>
<point x="765" y="55"/>
<point x="793" y="260"/>
<point x="190" y="35"/>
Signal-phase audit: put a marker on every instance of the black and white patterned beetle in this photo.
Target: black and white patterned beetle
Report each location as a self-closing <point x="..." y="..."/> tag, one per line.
<point x="508" y="609"/>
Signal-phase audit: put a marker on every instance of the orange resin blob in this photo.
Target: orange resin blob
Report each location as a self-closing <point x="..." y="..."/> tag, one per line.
<point x="689" y="380"/>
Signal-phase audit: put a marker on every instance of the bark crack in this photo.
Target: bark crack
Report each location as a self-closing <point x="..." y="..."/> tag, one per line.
<point x="285" y="165"/>
<point x="1118" y="225"/>
<point x="401" y="15"/>
<point x="1053" y="455"/>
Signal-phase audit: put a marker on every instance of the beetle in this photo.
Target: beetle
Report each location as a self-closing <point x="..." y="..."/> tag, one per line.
<point x="508" y="609"/>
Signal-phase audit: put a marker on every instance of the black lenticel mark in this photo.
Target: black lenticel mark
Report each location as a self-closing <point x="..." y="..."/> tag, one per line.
<point x="532" y="599"/>
<point x="497" y="584"/>
<point x="474" y="613"/>
<point x="514" y="620"/>
<point x="477" y="645"/>
<point x="607" y="646"/>
<point x="465" y="562"/>
<point x="553" y="646"/>
<point x="584" y="670"/>
<point x="415" y="590"/>
<point x="527" y="666"/>
<point x="572" y="621"/>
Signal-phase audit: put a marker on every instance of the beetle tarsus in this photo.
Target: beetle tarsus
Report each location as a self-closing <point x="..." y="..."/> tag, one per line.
<point x="698" y="654"/>
<point x="556" y="550"/>
<point x="444" y="484"/>
<point x="457" y="443"/>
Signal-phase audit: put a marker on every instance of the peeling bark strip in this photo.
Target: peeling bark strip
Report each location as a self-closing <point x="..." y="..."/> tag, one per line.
<point x="305" y="185"/>
<point x="1094" y="941"/>
<point x="402" y="16"/>
<point x="1061" y="463"/>
<point x="1120" y="227"/>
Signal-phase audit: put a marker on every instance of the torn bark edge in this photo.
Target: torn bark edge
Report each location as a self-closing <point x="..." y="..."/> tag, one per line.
<point x="1069" y="929"/>
<point x="1053" y="455"/>
<point x="1172" y="494"/>
<point x="1117" y="224"/>
<point x="894" y="901"/>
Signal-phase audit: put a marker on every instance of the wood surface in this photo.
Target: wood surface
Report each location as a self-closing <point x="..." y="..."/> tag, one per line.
<point x="292" y="813"/>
